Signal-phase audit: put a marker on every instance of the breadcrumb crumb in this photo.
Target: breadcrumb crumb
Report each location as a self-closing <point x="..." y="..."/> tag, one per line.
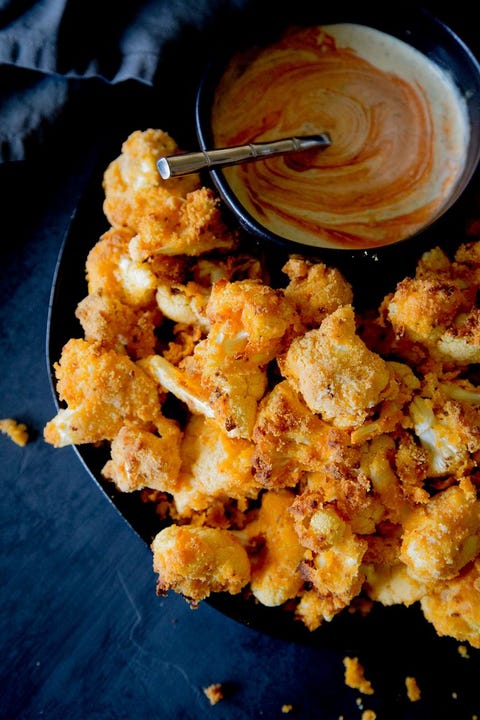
<point x="355" y="676"/>
<point x="287" y="708"/>
<point x="413" y="691"/>
<point x="369" y="715"/>
<point x="214" y="693"/>
<point x="16" y="431"/>
<point x="463" y="651"/>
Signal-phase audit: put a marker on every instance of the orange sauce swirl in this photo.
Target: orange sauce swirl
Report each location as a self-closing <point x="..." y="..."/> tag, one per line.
<point x="398" y="129"/>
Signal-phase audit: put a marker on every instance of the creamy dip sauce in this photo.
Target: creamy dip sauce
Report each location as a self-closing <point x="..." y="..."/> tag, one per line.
<point x="398" y="126"/>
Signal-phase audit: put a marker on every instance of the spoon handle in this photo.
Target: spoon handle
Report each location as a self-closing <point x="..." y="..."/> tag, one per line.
<point x="193" y="162"/>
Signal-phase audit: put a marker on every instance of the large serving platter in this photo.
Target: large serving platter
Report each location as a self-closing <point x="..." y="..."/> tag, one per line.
<point x="399" y="633"/>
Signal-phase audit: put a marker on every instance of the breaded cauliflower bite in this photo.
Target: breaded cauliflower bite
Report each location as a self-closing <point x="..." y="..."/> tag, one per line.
<point x="132" y="184"/>
<point x="433" y="314"/>
<point x="294" y="449"/>
<point x="144" y="459"/>
<point x="453" y="606"/>
<point x="198" y="561"/>
<point x="249" y="321"/>
<point x="102" y="389"/>
<point x="214" y="468"/>
<point x="335" y="372"/>
<point x="315" y="290"/>
<point x="115" y="325"/>
<point x="277" y="552"/>
<point x="190" y="226"/>
<point x="109" y="270"/>
<point x="291" y="440"/>
<point x="443" y="535"/>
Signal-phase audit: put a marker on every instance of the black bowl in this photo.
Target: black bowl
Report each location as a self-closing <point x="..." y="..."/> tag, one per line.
<point x="257" y="26"/>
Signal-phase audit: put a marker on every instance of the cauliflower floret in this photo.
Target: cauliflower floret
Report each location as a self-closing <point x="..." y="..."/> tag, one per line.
<point x="460" y="342"/>
<point x="435" y="311"/>
<point x="226" y="375"/>
<point x="184" y="303"/>
<point x="289" y="439"/>
<point x="378" y="464"/>
<point x="333" y="561"/>
<point x="313" y="609"/>
<point x="337" y="375"/>
<point x="462" y="390"/>
<point x="275" y="574"/>
<point x="391" y="413"/>
<point x="249" y="321"/>
<point x="443" y="535"/>
<point x="422" y="308"/>
<point x="434" y="260"/>
<point x="185" y="387"/>
<point x="315" y="290"/>
<point x="185" y="226"/>
<point x="103" y="390"/>
<point x="143" y="459"/>
<point x="183" y="342"/>
<point x="115" y="325"/>
<point x="453" y="606"/>
<point x="214" y="468"/>
<point x="446" y="420"/>
<point x="336" y="572"/>
<point x="393" y="585"/>
<point x="111" y="271"/>
<point x="412" y="465"/>
<point x="196" y="561"/>
<point x="234" y="396"/>
<point x="234" y="266"/>
<point x="132" y="184"/>
<point x="467" y="262"/>
<point x="230" y="399"/>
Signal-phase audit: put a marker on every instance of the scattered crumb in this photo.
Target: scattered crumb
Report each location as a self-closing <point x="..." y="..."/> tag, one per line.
<point x="214" y="693"/>
<point x="369" y="715"/>
<point x="463" y="651"/>
<point x="413" y="691"/>
<point x="287" y="708"/>
<point x="18" y="432"/>
<point x="454" y="695"/>
<point x="355" y="676"/>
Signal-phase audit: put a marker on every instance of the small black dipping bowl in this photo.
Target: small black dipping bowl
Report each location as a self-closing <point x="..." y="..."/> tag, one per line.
<point x="411" y="24"/>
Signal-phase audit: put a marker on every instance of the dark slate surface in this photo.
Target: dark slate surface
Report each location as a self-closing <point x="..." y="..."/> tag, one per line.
<point x="83" y="635"/>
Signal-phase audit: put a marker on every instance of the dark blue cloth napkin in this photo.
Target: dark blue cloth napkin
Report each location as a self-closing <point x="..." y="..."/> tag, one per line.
<point x="49" y="48"/>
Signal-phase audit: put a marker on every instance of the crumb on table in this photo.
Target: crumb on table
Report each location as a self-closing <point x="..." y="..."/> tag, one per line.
<point x="214" y="693"/>
<point x="355" y="676"/>
<point x="16" y="431"/>
<point x="413" y="691"/>
<point x="369" y="715"/>
<point x="287" y="708"/>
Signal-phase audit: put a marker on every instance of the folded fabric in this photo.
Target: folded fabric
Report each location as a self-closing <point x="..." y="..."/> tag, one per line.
<point x="85" y="38"/>
<point x="53" y="44"/>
